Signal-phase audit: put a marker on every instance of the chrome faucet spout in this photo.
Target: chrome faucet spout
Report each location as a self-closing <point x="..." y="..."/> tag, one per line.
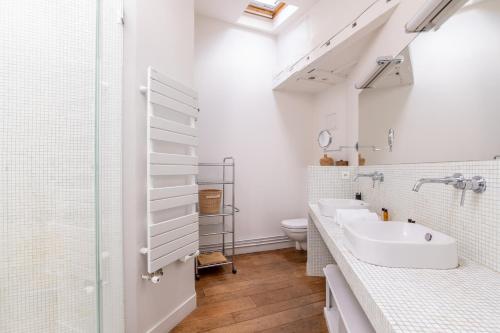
<point x="477" y="184"/>
<point x="456" y="180"/>
<point x="368" y="175"/>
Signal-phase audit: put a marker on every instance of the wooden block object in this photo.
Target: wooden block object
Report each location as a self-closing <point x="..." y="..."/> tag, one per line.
<point x="326" y="161"/>
<point x="211" y="258"/>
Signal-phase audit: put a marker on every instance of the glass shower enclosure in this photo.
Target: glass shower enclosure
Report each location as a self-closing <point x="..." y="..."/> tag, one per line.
<point x="60" y="166"/>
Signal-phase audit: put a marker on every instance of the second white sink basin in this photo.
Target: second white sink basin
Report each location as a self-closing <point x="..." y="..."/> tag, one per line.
<point x="400" y="244"/>
<point x="328" y="207"/>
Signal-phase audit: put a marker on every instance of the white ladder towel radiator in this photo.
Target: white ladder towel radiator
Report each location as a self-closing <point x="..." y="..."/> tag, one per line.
<point x="172" y="166"/>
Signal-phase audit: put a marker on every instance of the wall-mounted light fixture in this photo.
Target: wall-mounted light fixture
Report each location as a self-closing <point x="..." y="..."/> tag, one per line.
<point x="390" y="143"/>
<point x="433" y="14"/>
<point x="383" y="65"/>
<point x="325" y="140"/>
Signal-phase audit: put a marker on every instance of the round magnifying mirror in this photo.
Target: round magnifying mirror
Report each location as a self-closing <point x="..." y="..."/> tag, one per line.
<point x="390" y="138"/>
<point x="325" y="139"/>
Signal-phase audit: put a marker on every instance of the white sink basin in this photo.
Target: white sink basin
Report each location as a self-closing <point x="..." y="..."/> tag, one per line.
<point x="400" y="244"/>
<point x="328" y="207"/>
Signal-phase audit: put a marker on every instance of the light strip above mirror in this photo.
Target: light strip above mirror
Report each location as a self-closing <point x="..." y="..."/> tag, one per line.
<point x="433" y="14"/>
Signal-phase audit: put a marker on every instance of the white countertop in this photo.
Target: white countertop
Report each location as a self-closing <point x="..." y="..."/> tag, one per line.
<point x="466" y="299"/>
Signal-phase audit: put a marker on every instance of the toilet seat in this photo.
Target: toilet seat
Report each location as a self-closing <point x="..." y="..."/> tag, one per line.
<point x="295" y="224"/>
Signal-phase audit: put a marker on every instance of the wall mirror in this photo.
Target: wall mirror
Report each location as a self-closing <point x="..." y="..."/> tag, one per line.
<point x="325" y="139"/>
<point x="443" y="100"/>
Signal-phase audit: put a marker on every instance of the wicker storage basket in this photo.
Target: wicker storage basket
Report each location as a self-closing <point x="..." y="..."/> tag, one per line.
<point x="210" y="201"/>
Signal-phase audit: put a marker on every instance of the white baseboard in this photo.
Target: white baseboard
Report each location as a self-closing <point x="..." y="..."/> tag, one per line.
<point x="175" y="317"/>
<point x="253" y="245"/>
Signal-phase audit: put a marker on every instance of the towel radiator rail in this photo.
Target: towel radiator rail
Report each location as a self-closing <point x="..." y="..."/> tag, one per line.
<point x="172" y="110"/>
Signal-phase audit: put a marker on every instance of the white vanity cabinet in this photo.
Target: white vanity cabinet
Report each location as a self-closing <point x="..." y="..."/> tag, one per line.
<point x="343" y="314"/>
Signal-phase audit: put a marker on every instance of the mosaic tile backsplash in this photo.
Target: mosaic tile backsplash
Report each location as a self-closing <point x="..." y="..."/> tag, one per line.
<point x="476" y="225"/>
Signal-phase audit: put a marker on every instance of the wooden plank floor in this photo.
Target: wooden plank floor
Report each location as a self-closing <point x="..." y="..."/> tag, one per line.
<point x="270" y="293"/>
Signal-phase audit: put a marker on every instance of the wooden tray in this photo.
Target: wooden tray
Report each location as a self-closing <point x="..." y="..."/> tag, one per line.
<point x="205" y="259"/>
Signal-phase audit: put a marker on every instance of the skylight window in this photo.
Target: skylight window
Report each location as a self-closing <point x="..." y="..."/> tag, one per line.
<point x="271" y="4"/>
<point x="265" y="8"/>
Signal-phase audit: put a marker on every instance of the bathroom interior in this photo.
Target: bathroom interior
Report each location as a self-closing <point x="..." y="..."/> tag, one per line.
<point x="249" y="166"/>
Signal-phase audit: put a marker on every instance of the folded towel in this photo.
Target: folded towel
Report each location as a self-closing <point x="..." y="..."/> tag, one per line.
<point x="352" y="215"/>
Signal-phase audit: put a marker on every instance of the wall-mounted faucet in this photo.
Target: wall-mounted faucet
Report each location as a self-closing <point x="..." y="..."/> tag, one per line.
<point x="453" y="180"/>
<point x="477" y="184"/>
<point x="374" y="176"/>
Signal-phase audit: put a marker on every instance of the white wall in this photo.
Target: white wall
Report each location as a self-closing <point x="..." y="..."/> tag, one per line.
<point x="316" y="26"/>
<point x="330" y="113"/>
<point x="451" y="111"/>
<point x="159" y="33"/>
<point x="268" y="133"/>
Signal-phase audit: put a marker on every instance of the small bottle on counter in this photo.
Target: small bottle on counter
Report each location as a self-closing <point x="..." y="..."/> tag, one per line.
<point x="385" y="214"/>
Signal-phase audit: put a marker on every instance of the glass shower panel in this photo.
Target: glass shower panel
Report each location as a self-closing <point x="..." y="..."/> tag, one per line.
<point x="110" y="176"/>
<point x="49" y="152"/>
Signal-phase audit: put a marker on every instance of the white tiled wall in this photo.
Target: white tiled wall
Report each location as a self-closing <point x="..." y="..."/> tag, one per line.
<point x="47" y="166"/>
<point x="328" y="182"/>
<point x="476" y="226"/>
<point x="318" y="255"/>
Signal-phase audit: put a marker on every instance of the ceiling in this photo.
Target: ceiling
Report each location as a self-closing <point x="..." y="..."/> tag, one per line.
<point x="231" y="10"/>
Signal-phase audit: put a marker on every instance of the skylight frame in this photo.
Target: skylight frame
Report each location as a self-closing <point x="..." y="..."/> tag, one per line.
<point x="265" y="10"/>
<point x="266" y="4"/>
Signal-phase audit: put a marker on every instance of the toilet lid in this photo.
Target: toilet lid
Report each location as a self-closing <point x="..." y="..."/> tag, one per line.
<point x="295" y="224"/>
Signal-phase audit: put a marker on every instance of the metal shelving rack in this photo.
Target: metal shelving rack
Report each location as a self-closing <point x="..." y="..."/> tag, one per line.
<point x="228" y="211"/>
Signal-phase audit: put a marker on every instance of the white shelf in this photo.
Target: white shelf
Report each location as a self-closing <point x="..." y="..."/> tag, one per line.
<point x="343" y="312"/>
<point x="332" y="318"/>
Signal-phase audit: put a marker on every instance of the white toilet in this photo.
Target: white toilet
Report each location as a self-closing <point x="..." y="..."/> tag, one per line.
<point x="296" y="229"/>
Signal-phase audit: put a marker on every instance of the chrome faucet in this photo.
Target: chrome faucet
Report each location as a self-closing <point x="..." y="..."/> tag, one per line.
<point x="477" y="184"/>
<point x="454" y="180"/>
<point x="374" y="176"/>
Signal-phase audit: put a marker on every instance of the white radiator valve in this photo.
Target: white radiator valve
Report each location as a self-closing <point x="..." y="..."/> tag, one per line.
<point x="154" y="277"/>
